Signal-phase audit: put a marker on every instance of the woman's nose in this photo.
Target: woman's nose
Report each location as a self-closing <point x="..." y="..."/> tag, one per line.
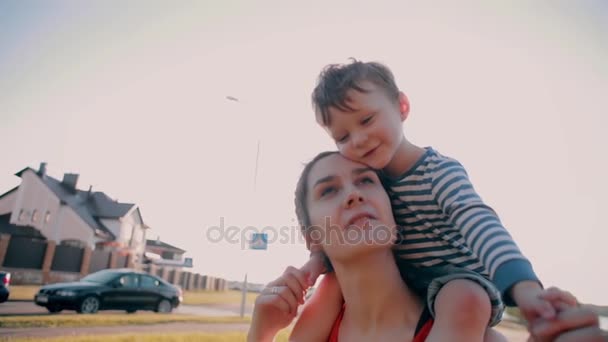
<point x="354" y="198"/>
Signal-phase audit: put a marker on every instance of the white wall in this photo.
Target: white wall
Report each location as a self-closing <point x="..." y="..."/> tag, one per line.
<point x="132" y="228"/>
<point x="63" y="223"/>
<point x="33" y="196"/>
<point x="69" y="226"/>
<point x="114" y="225"/>
<point x="7" y="203"/>
<point x="125" y="227"/>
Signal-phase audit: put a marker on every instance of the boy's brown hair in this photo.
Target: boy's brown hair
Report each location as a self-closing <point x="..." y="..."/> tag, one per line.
<point x="335" y="80"/>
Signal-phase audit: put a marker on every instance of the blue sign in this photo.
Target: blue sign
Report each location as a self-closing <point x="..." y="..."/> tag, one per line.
<point x="259" y="241"/>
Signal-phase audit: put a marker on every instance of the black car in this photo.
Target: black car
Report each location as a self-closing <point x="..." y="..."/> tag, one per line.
<point x="112" y="289"/>
<point x="5" y="281"/>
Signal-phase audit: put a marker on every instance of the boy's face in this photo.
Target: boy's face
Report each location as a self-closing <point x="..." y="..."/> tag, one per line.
<point x="372" y="133"/>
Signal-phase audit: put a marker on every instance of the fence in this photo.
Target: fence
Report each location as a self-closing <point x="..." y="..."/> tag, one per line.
<point x="24" y="253"/>
<point x="37" y="262"/>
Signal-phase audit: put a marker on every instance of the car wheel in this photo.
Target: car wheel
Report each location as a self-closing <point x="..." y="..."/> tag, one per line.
<point x="89" y="305"/>
<point x="54" y="309"/>
<point x="164" y="306"/>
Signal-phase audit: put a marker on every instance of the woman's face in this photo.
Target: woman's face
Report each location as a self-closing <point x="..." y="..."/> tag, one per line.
<point x="349" y="210"/>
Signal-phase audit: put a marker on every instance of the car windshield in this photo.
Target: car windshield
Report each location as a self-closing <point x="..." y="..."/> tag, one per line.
<point x="99" y="277"/>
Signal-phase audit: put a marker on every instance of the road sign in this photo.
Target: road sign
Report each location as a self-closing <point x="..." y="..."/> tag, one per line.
<point x="259" y="241"/>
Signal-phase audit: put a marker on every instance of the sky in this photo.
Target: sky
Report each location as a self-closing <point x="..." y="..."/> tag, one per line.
<point x="132" y="95"/>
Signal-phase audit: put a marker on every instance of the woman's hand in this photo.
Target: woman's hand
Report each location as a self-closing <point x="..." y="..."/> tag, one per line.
<point x="277" y="305"/>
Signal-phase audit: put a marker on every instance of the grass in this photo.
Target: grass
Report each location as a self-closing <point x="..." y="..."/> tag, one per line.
<point x="109" y="320"/>
<point x="178" y="337"/>
<point x="203" y="297"/>
<point x="196" y="297"/>
<point x="23" y="292"/>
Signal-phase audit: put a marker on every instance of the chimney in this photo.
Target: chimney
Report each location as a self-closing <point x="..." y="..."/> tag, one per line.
<point x="69" y="181"/>
<point x="42" y="169"/>
<point x="90" y="191"/>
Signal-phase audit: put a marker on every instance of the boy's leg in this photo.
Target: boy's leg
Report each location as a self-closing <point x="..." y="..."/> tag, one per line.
<point x="462" y="312"/>
<point x="476" y="289"/>
<point x="494" y="336"/>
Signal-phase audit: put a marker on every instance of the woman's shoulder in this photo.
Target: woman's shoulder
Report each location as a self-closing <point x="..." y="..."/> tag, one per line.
<point x="335" y="329"/>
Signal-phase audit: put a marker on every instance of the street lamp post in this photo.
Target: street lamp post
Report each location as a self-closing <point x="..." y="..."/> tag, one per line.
<point x="255" y="177"/>
<point x="257" y="154"/>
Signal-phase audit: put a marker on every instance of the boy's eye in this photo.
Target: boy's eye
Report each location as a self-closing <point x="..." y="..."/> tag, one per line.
<point x="342" y="139"/>
<point x="367" y="120"/>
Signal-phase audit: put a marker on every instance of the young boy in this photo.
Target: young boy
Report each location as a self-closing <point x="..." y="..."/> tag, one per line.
<point x="442" y="219"/>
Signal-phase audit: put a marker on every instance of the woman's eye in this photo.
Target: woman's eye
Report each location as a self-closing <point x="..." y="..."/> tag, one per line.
<point x="367" y="180"/>
<point x="327" y="191"/>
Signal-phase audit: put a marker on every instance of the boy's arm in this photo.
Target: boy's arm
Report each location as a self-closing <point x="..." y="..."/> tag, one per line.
<point x="481" y="228"/>
<point x="319" y="312"/>
<point x="486" y="238"/>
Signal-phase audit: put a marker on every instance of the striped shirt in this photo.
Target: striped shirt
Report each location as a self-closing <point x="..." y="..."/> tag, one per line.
<point x="443" y="221"/>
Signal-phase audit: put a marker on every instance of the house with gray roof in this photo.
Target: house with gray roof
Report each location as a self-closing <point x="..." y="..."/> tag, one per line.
<point x="44" y="207"/>
<point x="160" y="253"/>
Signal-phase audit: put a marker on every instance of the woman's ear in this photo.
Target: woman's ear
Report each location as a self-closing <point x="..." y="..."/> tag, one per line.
<point x="313" y="240"/>
<point x="313" y="245"/>
<point x="404" y="106"/>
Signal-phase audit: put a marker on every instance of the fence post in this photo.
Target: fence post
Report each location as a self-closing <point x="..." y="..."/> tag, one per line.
<point x="113" y="259"/>
<point x="131" y="260"/>
<point x="151" y="269"/>
<point x="5" y="239"/>
<point x="85" y="262"/>
<point x="176" y="277"/>
<point x="47" y="262"/>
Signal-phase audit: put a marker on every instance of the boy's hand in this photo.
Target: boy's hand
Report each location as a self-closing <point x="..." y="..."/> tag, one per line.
<point x="540" y="306"/>
<point x="559" y="298"/>
<point x="528" y="295"/>
<point x="572" y="324"/>
<point x="567" y="317"/>
<point x="314" y="267"/>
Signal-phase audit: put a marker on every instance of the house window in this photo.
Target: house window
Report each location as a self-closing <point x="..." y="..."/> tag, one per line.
<point x="73" y="243"/>
<point x="47" y="217"/>
<point x="35" y="216"/>
<point x="21" y="215"/>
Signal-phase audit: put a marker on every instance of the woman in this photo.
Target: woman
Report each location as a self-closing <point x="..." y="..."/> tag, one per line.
<point x="344" y="209"/>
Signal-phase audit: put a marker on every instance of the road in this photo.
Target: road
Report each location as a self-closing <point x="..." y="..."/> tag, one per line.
<point x="25" y="308"/>
<point x="29" y="308"/>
